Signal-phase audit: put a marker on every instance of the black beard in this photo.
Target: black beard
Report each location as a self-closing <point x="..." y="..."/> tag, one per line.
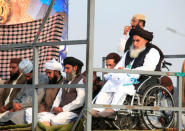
<point x="29" y="81"/>
<point x="14" y="76"/>
<point x="54" y="80"/>
<point x="137" y="27"/>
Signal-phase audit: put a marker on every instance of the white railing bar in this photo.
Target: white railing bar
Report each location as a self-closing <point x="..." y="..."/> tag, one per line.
<point x="129" y="107"/>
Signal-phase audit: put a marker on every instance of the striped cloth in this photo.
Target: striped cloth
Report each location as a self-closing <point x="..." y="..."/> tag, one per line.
<point x="25" y="33"/>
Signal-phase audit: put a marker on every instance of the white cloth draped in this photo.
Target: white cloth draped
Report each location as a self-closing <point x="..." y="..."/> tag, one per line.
<point x="119" y="85"/>
<point x="63" y="117"/>
<point x="122" y="44"/>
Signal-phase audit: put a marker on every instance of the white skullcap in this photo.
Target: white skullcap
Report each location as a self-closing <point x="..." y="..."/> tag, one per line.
<point x="53" y="65"/>
<point x="26" y="66"/>
<point x="139" y="16"/>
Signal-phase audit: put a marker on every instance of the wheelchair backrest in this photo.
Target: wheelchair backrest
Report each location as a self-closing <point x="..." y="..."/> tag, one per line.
<point x="146" y="82"/>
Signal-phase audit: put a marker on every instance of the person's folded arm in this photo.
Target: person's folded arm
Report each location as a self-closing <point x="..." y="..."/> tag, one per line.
<point x="151" y="61"/>
<point x="78" y="102"/>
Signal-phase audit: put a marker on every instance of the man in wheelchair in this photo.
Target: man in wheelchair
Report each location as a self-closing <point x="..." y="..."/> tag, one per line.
<point x="142" y="56"/>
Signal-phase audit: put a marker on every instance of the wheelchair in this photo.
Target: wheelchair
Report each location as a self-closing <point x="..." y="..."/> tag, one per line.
<point x="155" y="95"/>
<point x="149" y="93"/>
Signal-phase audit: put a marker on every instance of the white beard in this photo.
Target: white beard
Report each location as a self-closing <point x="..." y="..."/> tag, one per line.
<point x="134" y="53"/>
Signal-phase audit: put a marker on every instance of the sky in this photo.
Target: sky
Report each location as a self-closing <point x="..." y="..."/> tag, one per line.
<point x="112" y="15"/>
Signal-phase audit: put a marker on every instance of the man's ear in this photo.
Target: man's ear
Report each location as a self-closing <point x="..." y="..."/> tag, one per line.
<point x="146" y="41"/>
<point x="75" y="68"/>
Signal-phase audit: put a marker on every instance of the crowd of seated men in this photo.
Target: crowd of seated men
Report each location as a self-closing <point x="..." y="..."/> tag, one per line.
<point x="56" y="105"/>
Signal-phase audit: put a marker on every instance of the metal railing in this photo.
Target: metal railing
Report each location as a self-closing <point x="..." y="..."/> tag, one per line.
<point x="89" y="67"/>
<point x="35" y="46"/>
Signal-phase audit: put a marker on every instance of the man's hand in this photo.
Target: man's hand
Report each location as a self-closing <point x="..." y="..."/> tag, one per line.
<point x="120" y="67"/>
<point x="57" y="110"/>
<point x="42" y="108"/>
<point x="2" y="109"/>
<point x="16" y="106"/>
<point x="126" y="29"/>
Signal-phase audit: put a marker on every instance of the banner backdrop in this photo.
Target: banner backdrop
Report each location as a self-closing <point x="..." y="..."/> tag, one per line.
<point x="21" y="11"/>
<point x="25" y="33"/>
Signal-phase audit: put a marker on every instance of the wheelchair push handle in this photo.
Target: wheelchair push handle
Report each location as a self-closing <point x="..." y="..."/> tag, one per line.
<point x="165" y="64"/>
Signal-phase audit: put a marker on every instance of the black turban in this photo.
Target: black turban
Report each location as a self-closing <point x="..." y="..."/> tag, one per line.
<point x="73" y="61"/>
<point x="142" y="33"/>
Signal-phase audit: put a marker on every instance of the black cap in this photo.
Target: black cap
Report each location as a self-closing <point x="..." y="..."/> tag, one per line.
<point x="73" y="61"/>
<point x="142" y="33"/>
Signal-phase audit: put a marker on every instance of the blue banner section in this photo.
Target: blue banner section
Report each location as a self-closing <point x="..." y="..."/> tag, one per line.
<point x="59" y="6"/>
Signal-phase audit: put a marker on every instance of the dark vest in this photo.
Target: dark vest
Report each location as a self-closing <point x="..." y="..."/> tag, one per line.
<point x="70" y="94"/>
<point x="140" y="59"/>
<point x="49" y="97"/>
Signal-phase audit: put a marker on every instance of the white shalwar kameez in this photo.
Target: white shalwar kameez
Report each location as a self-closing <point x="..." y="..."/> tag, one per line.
<point x="63" y="117"/>
<point x="118" y="85"/>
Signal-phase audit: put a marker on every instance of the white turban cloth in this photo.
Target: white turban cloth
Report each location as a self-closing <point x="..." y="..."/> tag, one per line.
<point x="53" y="65"/>
<point x="26" y="66"/>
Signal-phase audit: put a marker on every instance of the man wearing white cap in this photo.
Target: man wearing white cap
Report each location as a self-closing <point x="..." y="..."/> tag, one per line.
<point x="69" y="101"/>
<point x="53" y="71"/>
<point x="24" y="97"/>
<point x="137" y="21"/>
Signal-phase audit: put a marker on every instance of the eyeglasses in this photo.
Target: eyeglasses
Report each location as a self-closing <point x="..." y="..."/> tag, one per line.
<point x="137" y="40"/>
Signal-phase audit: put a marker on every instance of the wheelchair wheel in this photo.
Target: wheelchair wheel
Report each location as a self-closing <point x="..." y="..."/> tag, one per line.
<point x="125" y="122"/>
<point x="158" y="95"/>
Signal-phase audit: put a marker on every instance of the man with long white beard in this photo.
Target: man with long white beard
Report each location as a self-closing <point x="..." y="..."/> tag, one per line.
<point x="141" y="56"/>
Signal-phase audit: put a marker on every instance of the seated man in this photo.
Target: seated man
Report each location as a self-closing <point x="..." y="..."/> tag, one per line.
<point x="97" y="83"/>
<point x="141" y="56"/>
<point x="8" y="94"/>
<point x="24" y="97"/>
<point x="68" y="102"/>
<point x="111" y="60"/>
<point x="53" y="71"/>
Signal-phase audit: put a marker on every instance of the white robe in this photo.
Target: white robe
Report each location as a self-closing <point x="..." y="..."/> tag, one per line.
<point x="115" y="89"/>
<point x="63" y="117"/>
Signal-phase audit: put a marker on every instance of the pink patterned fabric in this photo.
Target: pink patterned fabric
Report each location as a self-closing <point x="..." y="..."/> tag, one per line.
<point x="25" y="33"/>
